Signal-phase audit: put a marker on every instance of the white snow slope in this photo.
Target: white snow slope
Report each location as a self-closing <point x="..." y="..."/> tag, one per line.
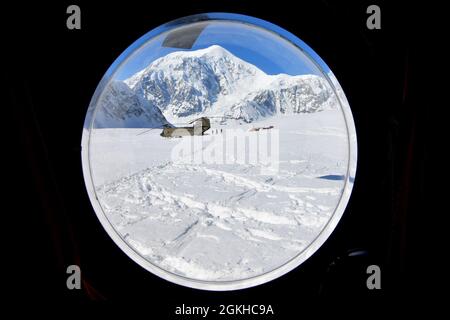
<point x="221" y="221"/>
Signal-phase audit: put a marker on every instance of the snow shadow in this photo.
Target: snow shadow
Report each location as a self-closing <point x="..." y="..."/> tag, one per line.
<point x="336" y="177"/>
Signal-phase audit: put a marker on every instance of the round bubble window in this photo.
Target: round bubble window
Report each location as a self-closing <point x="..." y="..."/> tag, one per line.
<point x="219" y="151"/>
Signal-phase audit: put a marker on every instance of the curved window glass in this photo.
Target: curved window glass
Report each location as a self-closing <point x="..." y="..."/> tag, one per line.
<point x="219" y="151"/>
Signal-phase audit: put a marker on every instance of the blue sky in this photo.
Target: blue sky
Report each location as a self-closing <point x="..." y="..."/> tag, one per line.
<point x="267" y="50"/>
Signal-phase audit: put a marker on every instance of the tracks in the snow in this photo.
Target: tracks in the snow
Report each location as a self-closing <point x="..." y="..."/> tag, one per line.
<point x="216" y="205"/>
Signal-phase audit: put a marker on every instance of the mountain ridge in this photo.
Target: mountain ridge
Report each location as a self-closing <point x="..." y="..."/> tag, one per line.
<point x="213" y="82"/>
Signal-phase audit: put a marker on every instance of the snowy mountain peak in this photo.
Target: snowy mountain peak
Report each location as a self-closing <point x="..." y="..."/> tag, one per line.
<point x="214" y="50"/>
<point x="214" y="56"/>
<point x="213" y="82"/>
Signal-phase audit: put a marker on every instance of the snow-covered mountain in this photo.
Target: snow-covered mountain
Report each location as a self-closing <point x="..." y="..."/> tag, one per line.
<point x="286" y="95"/>
<point x="120" y="107"/>
<point x="212" y="82"/>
